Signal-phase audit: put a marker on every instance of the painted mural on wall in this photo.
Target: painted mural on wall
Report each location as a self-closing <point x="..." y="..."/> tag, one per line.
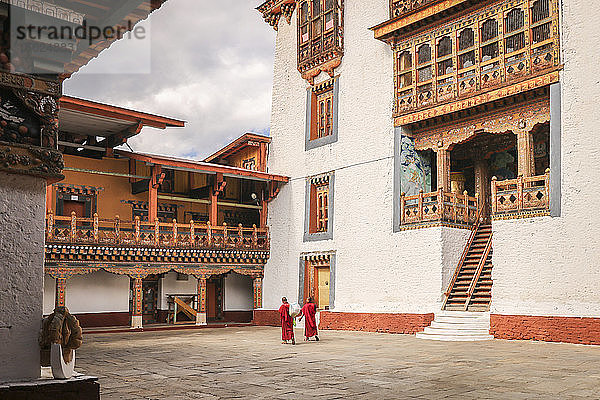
<point x="415" y="168"/>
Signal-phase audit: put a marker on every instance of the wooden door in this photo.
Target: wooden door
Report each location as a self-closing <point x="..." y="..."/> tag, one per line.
<point x="149" y="301"/>
<point x="211" y="300"/>
<point x="323" y="287"/>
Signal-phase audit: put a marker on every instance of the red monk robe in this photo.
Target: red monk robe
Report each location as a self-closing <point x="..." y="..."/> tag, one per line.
<point x="287" y="322"/>
<point x="310" y="323"/>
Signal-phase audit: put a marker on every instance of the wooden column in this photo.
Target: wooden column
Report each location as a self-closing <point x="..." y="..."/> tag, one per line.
<point x="201" y="311"/>
<point x="482" y="184"/>
<point x="61" y="287"/>
<point x="217" y="189"/>
<point x="263" y="210"/>
<point x="525" y="153"/>
<point x="443" y="169"/>
<point x="136" y="312"/>
<point x="262" y="157"/>
<point x="49" y="190"/>
<point x="257" y="285"/>
<point x="155" y="181"/>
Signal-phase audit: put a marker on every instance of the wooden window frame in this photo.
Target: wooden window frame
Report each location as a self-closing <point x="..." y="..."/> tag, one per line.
<point x="322" y="114"/>
<point x="318" y="224"/>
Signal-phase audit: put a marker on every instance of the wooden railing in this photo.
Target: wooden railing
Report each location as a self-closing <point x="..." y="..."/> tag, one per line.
<point x="521" y="194"/>
<point x="73" y="229"/>
<point x="438" y="206"/>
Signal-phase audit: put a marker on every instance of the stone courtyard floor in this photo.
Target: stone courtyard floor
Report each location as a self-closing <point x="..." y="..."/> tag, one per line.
<point x="251" y="363"/>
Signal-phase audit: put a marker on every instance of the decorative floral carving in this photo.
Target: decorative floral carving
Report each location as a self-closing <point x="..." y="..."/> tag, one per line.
<point x="31" y="160"/>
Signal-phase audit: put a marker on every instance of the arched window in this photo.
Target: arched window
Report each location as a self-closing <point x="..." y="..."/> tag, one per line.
<point x="540" y="10"/>
<point x="466" y="39"/>
<point x="304" y="18"/>
<point x="444" y="47"/>
<point x="515" y="19"/>
<point x="424" y="54"/>
<point x="489" y="30"/>
<point x="405" y="69"/>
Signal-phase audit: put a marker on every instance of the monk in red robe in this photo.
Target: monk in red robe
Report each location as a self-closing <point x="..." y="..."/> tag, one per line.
<point x="310" y="322"/>
<point x="287" y="323"/>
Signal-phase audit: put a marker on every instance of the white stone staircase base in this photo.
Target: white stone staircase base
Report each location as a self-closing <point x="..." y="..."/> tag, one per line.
<point x="458" y="326"/>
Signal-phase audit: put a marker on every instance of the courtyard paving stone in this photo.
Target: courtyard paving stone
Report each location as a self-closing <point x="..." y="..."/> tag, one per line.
<point x="251" y="363"/>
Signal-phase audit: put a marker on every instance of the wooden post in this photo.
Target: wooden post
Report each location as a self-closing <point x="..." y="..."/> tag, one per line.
<point x="73" y="234"/>
<point x="174" y="232"/>
<point x="466" y="203"/>
<point x="225" y="234"/>
<point x="454" y="202"/>
<point x="209" y="233"/>
<point x="136" y="225"/>
<point x="156" y="171"/>
<point x="402" y="207"/>
<point x="254" y="235"/>
<point x="520" y="185"/>
<point x="61" y="287"/>
<point x="96" y="224"/>
<point x="262" y="157"/>
<point x="257" y="292"/>
<point x="526" y="161"/>
<point x="156" y="232"/>
<point x="494" y="195"/>
<point x="192" y="233"/>
<point x="136" y="312"/>
<point x="201" y="311"/>
<point x="240" y="235"/>
<point x="214" y="196"/>
<point x="420" y="205"/>
<point x="49" y="192"/>
<point x="50" y="225"/>
<point x="263" y="210"/>
<point x="440" y="204"/>
<point x="117" y="229"/>
<point x="443" y="169"/>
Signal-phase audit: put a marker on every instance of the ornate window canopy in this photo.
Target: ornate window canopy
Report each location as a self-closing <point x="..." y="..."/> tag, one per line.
<point x="454" y="54"/>
<point x="272" y="10"/>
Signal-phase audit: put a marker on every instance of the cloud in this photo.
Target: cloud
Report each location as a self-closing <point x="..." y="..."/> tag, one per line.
<point x="211" y="65"/>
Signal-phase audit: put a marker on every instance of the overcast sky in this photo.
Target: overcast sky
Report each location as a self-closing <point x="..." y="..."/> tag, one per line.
<point x="212" y="64"/>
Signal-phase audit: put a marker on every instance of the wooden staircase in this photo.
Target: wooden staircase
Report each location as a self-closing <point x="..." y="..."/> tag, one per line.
<point x="470" y="288"/>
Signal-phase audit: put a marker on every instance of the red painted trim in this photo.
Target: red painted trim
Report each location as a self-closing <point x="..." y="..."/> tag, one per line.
<point x="237" y="144"/>
<point x="266" y="318"/>
<point x="375" y="322"/>
<point x="165" y="328"/>
<point x="238" y="316"/>
<point x="583" y="330"/>
<point x="106" y="110"/>
<point x="92" y="320"/>
<point x="201" y="166"/>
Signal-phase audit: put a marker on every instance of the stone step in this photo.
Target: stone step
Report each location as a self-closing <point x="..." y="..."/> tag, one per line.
<point x="459" y="325"/>
<point x="457" y="331"/>
<point x="454" y="338"/>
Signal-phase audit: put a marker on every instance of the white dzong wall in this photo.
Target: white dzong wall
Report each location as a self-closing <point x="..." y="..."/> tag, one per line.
<point x="22" y="207"/>
<point x="376" y="270"/>
<point x="551" y="265"/>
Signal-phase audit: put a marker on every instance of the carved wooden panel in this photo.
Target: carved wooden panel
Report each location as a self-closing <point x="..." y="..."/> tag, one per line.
<point x="493" y="47"/>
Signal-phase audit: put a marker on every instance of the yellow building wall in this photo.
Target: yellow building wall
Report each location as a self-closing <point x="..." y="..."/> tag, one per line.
<point x="237" y="159"/>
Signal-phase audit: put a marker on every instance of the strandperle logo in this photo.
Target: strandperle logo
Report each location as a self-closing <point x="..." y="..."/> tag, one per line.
<point x="62" y="35"/>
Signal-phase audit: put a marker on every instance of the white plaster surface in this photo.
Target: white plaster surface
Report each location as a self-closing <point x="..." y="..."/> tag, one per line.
<point x="551" y="266"/>
<point x="376" y="270"/>
<point x="170" y="285"/>
<point x="22" y="207"/>
<point x="97" y="292"/>
<point x="238" y="293"/>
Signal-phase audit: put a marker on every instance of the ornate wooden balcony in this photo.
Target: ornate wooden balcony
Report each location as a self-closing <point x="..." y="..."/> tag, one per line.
<point x="521" y="197"/>
<point x="117" y="232"/>
<point x="425" y="209"/>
